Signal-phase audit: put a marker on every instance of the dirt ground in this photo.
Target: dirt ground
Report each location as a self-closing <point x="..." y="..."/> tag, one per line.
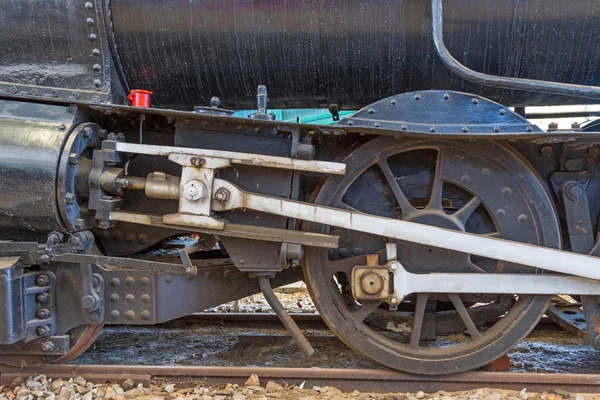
<point x="40" y="387"/>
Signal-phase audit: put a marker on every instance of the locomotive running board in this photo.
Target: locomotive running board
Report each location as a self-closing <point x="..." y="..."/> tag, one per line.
<point x="498" y="249"/>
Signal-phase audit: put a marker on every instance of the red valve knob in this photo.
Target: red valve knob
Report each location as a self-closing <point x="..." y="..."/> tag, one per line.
<point x="140" y="98"/>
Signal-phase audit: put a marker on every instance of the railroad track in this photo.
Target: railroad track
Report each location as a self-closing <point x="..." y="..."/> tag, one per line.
<point x="365" y="380"/>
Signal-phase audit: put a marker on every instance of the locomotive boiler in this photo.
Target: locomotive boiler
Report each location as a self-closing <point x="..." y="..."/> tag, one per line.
<point x="436" y="209"/>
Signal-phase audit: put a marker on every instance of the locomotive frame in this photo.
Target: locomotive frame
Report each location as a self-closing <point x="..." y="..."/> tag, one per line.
<point x="91" y="184"/>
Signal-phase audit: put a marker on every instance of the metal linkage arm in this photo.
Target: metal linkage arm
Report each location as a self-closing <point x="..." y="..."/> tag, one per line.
<point x="236" y="158"/>
<point x="498" y="249"/>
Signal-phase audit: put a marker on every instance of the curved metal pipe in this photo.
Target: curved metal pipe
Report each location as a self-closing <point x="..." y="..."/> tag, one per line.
<point x="283" y="315"/>
<point x="531" y="85"/>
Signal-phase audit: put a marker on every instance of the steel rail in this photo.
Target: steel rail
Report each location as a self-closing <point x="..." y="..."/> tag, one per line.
<point x="365" y="380"/>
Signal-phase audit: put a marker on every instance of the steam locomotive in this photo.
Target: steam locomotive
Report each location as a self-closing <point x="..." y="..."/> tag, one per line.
<point x="436" y="209"/>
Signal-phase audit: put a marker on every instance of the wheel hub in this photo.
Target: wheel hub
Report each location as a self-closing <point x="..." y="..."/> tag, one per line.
<point x="417" y="258"/>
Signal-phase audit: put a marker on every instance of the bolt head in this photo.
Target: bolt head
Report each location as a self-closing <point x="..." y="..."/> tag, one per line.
<point x="222" y="195"/>
<point x="42" y="297"/>
<point x="43" y="330"/>
<point x="87" y="132"/>
<point x="195" y="190"/>
<point x="47" y="346"/>
<point x="394" y="300"/>
<point x="89" y="302"/>
<point x="43" y="313"/>
<point x="215" y="101"/>
<point x="576" y="191"/>
<point x="394" y="266"/>
<point x="42" y="280"/>
<point x="73" y="158"/>
<point x="70" y="198"/>
<point x="80" y="224"/>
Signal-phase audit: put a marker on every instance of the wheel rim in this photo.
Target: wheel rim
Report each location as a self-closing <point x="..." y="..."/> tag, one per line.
<point x="483" y="170"/>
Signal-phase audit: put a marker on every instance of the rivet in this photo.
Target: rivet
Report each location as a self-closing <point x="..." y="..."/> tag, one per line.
<point x="145" y="281"/>
<point x="13" y="89"/>
<point x="432" y="129"/>
<point x="115" y="314"/>
<point x="343" y="252"/>
<point x="502" y="111"/>
<point x="34" y="92"/>
<point x="75" y="95"/>
<point x="129" y="281"/>
<point x="571" y="164"/>
<point x="417" y="97"/>
<point x="97" y="82"/>
<point x="522" y="219"/>
<point x="404" y="127"/>
<point x="376" y="124"/>
<point x="350" y="123"/>
<point x="446" y="96"/>
<point x="115" y="282"/>
<point x="130" y="238"/>
<point x="546" y="151"/>
<point x="143" y="238"/>
<point x="90" y="21"/>
<point x="146" y="299"/>
<point x="114" y="298"/>
<point x="506" y="191"/>
<point x="465" y="129"/>
<point x="496" y="129"/>
<point x="91" y="37"/>
<point x="465" y="179"/>
<point x="130" y="298"/>
<point x="130" y="315"/>
<point x="145" y="315"/>
<point x="371" y="111"/>
<point x="500" y="212"/>
<point x="96" y="52"/>
<point x="96" y="67"/>
<point x="528" y="129"/>
<point x="89" y="5"/>
<point x="393" y="102"/>
<point x="53" y="93"/>
<point x="474" y="100"/>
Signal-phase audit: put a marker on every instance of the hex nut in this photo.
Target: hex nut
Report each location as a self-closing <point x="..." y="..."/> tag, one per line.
<point x="42" y="297"/>
<point x="195" y="190"/>
<point x="43" y="313"/>
<point x="222" y="195"/>
<point x="42" y="280"/>
<point x="43" y="330"/>
<point x="70" y="198"/>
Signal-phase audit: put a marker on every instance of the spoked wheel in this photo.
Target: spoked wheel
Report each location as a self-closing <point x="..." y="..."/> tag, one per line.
<point x="478" y="187"/>
<point x="82" y="338"/>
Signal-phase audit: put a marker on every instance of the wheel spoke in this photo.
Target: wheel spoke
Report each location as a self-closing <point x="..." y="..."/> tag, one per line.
<point x="345" y="265"/>
<point x="471" y="267"/>
<point x="366" y="309"/>
<point x="403" y="202"/>
<point x="492" y="235"/>
<point x="435" y="201"/>
<point x="464" y="315"/>
<point x="467" y="210"/>
<point x="415" y="336"/>
<point x="345" y="206"/>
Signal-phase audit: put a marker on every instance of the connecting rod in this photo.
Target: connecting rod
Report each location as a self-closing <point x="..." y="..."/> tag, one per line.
<point x="498" y="249"/>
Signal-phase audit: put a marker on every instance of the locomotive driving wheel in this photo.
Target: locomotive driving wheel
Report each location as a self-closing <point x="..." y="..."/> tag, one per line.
<point x="480" y="187"/>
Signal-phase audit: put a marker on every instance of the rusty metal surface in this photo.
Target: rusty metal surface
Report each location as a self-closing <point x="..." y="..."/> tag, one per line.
<point x="349" y="52"/>
<point x="344" y="379"/>
<point x="569" y="316"/>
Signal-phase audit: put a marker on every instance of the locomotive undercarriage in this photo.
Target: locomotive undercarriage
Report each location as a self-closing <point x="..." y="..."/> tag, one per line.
<point x="406" y="225"/>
